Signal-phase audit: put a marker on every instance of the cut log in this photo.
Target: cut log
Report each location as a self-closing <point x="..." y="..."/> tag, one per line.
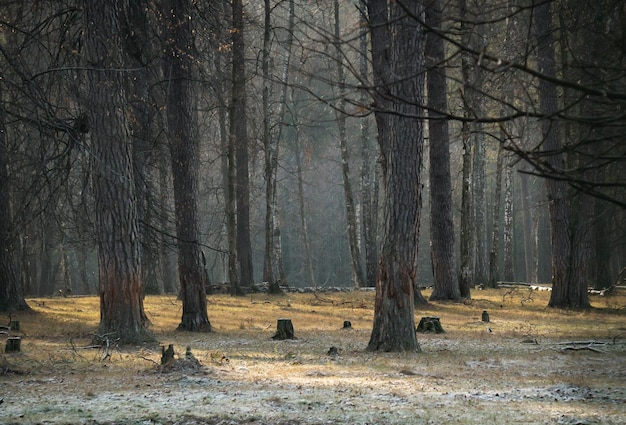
<point x="167" y="355"/>
<point x="485" y="316"/>
<point x="284" y="330"/>
<point x="14" y="345"/>
<point x="430" y="324"/>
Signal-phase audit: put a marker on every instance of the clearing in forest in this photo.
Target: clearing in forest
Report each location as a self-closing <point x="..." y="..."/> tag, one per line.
<point x="529" y="364"/>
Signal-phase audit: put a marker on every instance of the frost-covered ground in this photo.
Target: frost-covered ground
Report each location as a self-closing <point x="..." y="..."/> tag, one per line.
<point x="482" y="379"/>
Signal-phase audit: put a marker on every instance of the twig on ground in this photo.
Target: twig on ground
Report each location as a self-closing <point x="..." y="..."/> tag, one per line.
<point x="107" y="344"/>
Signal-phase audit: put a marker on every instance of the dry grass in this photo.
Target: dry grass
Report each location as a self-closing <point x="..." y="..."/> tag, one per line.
<point x="518" y="371"/>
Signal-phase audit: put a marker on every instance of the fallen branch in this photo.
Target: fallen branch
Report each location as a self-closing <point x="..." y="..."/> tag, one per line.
<point x="586" y="347"/>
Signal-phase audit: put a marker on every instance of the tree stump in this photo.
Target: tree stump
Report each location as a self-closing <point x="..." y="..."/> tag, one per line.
<point x="485" y="316"/>
<point x="347" y="324"/>
<point x="13" y="345"/>
<point x="430" y="325"/>
<point x="167" y="355"/>
<point x="284" y="330"/>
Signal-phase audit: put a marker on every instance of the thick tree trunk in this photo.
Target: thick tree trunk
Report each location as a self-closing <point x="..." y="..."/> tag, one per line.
<point x="569" y="286"/>
<point x="401" y="142"/>
<point x="116" y="222"/>
<point x="184" y="151"/>
<point x="446" y="281"/>
<point x="139" y="51"/>
<point x="11" y="291"/>
<point x="239" y="134"/>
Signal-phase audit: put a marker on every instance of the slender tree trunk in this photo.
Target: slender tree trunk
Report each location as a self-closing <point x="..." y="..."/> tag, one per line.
<point x="184" y="151"/>
<point x="303" y="226"/>
<point x="401" y="142"/>
<point x="11" y="291"/>
<point x="116" y="221"/>
<point x="509" y="270"/>
<point x="168" y="274"/>
<point x="239" y="136"/>
<point x="527" y="219"/>
<point x="475" y="145"/>
<point x="495" y="235"/>
<point x="351" y="214"/>
<point x="273" y="271"/>
<point x="466" y="245"/>
<point x="221" y="82"/>
<point x="268" y="263"/>
<point x="369" y="182"/>
<point x="442" y="227"/>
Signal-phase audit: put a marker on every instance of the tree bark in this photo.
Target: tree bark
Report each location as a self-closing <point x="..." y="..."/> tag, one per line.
<point x="401" y="142"/>
<point x="446" y="281"/>
<point x="304" y="232"/>
<point x="273" y="271"/>
<point x="351" y="215"/>
<point x="466" y="245"/>
<point x="116" y="221"/>
<point x="509" y="271"/>
<point x="184" y="151"/>
<point x="569" y="287"/>
<point x="11" y="291"/>
<point x="139" y="51"/>
<point x="492" y="281"/>
<point x="239" y="136"/>
<point x="369" y="181"/>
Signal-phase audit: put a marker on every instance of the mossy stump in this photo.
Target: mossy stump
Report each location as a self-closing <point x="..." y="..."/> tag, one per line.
<point x="284" y="330"/>
<point x="430" y="324"/>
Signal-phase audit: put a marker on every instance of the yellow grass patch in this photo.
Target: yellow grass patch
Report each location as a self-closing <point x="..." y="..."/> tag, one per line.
<point x="516" y="366"/>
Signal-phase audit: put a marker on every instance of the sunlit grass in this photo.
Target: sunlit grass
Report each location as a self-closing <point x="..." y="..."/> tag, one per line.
<point x="518" y="348"/>
<point x="512" y="312"/>
<point x="59" y="325"/>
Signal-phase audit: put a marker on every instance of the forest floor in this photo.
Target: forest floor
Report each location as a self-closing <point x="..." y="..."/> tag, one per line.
<point x="529" y="365"/>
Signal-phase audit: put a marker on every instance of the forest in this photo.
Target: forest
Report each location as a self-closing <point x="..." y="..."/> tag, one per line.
<point x="191" y="147"/>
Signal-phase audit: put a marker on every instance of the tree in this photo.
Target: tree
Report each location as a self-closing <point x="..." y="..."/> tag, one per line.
<point x="178" y="67"/>
<point x="116" y="221"/>
<point x="239" y="137"/>
<point x="569" y="285"/>
<point x="397" y="50"/>
<point x="351" y="215"/>
<point x="273" y="270"/>
<point x="11" y="291"/>
<point x="446" y="285"/>
<point x="369" y="180"/>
